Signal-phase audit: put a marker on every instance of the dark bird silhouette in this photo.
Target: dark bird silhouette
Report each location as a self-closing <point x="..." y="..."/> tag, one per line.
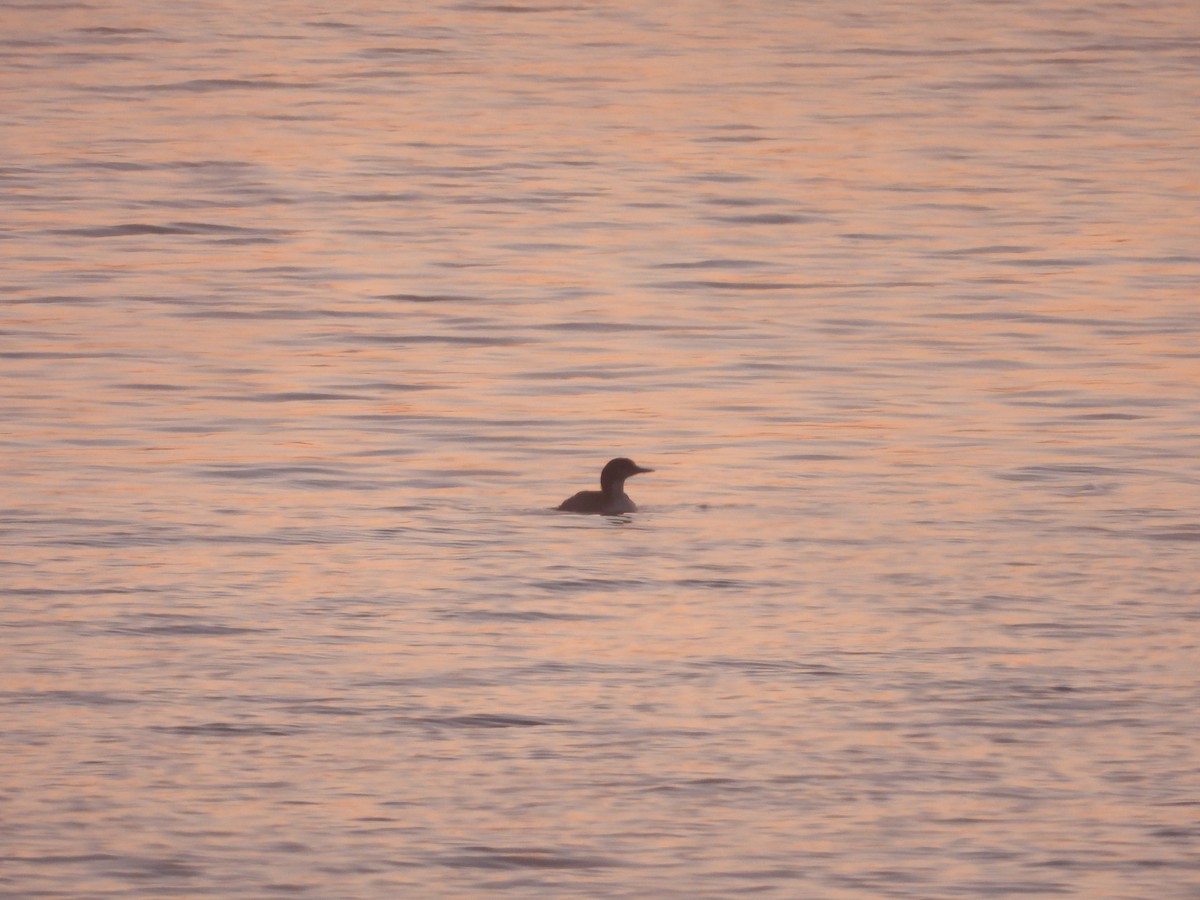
<point x="611" y="499"/>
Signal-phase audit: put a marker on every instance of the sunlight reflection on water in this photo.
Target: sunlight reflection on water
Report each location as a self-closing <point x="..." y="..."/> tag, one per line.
<point x="310" y="319"/>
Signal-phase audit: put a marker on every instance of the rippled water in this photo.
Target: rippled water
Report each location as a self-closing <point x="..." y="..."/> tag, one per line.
<point x="311" y="316"/>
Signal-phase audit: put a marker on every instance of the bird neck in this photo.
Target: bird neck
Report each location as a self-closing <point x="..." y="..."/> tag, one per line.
<point x="613" y="488"/>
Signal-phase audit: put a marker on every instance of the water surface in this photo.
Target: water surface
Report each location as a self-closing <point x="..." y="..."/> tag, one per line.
<point x="308" y="318"/>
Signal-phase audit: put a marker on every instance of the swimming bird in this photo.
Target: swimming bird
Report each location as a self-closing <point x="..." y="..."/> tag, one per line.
<point x="611" y="499"/>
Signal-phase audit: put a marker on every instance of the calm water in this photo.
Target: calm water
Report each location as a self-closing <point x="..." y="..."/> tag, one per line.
<point x="310" y="315"/>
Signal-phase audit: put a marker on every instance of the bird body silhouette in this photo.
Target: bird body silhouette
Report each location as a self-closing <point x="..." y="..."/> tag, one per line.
<point x="611" y="499"/>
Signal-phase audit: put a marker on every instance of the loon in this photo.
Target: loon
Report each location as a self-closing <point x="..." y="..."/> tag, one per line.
<point x="611" y="499"/>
